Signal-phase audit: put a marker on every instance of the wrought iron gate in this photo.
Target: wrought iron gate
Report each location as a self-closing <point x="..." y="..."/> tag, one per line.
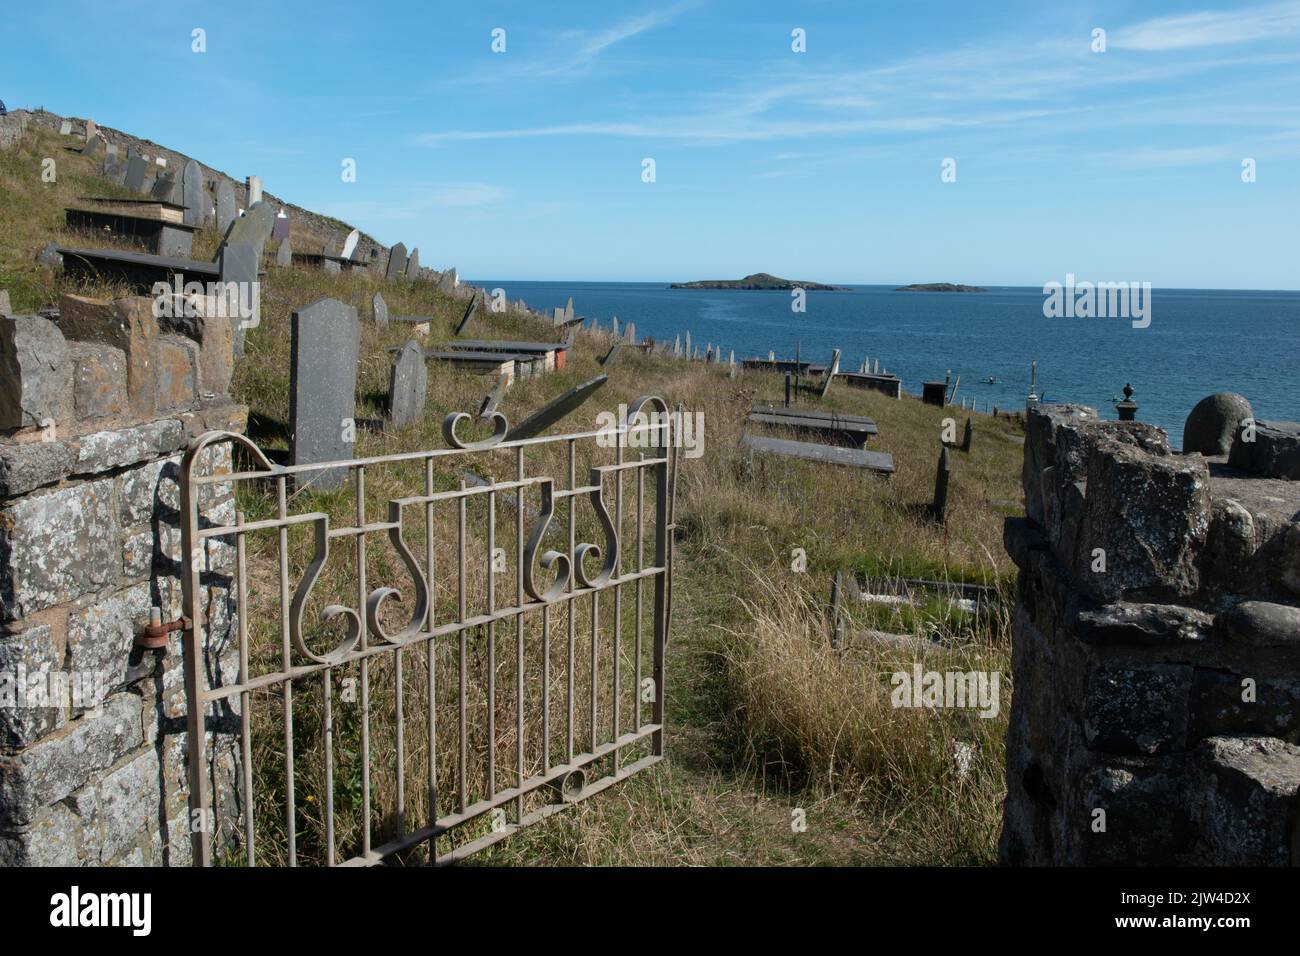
<point x="315" y="753"/>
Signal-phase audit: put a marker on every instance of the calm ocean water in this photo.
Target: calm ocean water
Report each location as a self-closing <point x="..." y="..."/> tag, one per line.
<point x="1198" y="342"/>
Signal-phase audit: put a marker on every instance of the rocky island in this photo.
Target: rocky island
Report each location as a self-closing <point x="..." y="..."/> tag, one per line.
<point x="939" y="287"/>
<point x="761" y="281"/>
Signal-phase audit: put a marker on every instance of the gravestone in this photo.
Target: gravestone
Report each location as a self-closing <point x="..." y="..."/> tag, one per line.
<point x="611" y="354"/>
<point x="324" y="338"/>
<point x="447" y="282"/>
<point x="630" y="334"/>
<point x="350" y="244"/>
<point x="553" y="411"/>
<point x="195" y="200"/>
<point x="613" y="324"/>
<point x="149" y="182"/>
<point x="1213" y="422"/>
<point x="65" y="128"/>
<point x="381" y="309"/>
<point x="396" y="262"/>
<point x="493" y="399"/>
<point x="114" y="171"/>
<point x="408" y="382"/>
<point x="688" y="343"/>
<point x="136" y="168"/>
<point x="91" y="149"/>
<point x="939" y="507"/>
<point x="164" y="188"/>
<point x="568" y="310"/>
<point x="92" y="131"/>
<point x="238" y="264"/>
<point x="280" y="230"/>
<point x="284" y="254"/>
<point x="677" y="346"/>
<point x="331" y="247"/>
<point x="413" y="265"/>
<point x="469" y="314"/>
<point x="253" y="228"/>
<point x="254" y="184"/>
<point x="969" y="436"/>
<point x="571" y="336"/>
<point x="225" y="205"/>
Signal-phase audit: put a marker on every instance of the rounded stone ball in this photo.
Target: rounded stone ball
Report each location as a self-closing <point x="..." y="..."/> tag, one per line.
<point x="1213" y="423"/>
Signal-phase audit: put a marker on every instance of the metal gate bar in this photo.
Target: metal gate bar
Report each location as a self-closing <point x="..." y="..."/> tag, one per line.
<point x="368" y="636"/>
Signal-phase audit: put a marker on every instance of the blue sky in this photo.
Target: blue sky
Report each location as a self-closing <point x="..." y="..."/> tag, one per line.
<point x="822" y="165"/>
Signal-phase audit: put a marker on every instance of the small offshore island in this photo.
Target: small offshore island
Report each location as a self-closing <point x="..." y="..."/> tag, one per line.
<point x="759" y="281"/>
<point x="939" y="287"/>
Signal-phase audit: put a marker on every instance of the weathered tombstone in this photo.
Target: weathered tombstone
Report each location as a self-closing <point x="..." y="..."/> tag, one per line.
<point x="731" y="361"/>
<point x="91" y="149"/>
<point x="677" y="347"/>
<point x="568" y="310"/>
<point x="1213" y="422"/>
<point x="571" y="336"/>
<point x="611" y="354"/>
<point x="114" y="171"/>
<point x="553" y="411"/>
<point x="253" y="228"/>
<point x="92" y="131"/>
<point x="408" y="383"/>
<point x="149" y="182"/>
<point x="939" y="507"/>
<point x="136" y="168"/>
<point x="225" y="205"/>
<point x="284" y="254"/>
<point x="831" y="372"/>
<point x="614" y="326"/>
<point x="381" y="309"/>
<point x="331" y="247"/>
<point x="413" y="264"/>
<point x="968" y="436"/>
<point x="324" y="338"/>
<point x="192" y="189"/>
<point x="65" y="128"/>
<point x="447" y="282"/>
<point x="350" y="244"/>
<point x="396" y="262"/>
<point x="254" y="191"/>
<point x="280" y="229"/>
<point x="238" y="271"/>
<point x="630" y="334"/>
<point x="493" y="398"/>
<point x="469" y="313"/>
<point x="164" y="188"/>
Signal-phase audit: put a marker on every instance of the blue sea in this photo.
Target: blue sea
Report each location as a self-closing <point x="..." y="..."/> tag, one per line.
<point x="1199" y="341"/>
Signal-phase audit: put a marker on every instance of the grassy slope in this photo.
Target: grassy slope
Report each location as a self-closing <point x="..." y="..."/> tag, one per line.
<point x="764" y="717"/>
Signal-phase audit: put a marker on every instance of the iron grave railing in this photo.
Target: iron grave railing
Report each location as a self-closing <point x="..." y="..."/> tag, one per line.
<point x="344" y="634"/>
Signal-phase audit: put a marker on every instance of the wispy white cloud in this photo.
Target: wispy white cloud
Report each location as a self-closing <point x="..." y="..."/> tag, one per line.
<point x="420" y="202"/>
<point x="1210" y="28"/>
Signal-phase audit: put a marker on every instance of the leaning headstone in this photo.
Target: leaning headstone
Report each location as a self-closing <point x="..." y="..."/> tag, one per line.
<point x="280" y="230"/>
<point x="114" y="171"/>
<point x="254" y="185"/>
<point x="225" y="205"/>
<point x="164" y="188"/>
<point x="324" y="338"/>
<point x="92" y="131"/>
<point x="413" y="264"/>
<point x="568" y="310"/>
<point x="553" y="411"/>
<point x="253" y="228"/>
<point x="350" y="244"/>
<point x="493" y="399"/>
<point x="149" y="182"/>
<point x="91" y="149"/>
<point x="677" y="346"/>
<point x="969" y="436"/>
<point x="284" y="254"/>
<point x="381" y="309"/>
<point x="611" y="354"/>
<point x="408" y="382"/>
<point x="630" y="334"/>
<point x="194" y="198"/>
<point x="469" y="314"/>
<point x="396" y="262"/>
<point x="1210" y="427"/>
<point x="447" y="282"/>
<point x="136" y="168"/>
<point x="65" y="128"/>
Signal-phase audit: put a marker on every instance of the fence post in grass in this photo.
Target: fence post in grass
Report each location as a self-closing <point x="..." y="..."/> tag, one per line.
<point x="837" y="622"/>
<point x="938" y="509"/>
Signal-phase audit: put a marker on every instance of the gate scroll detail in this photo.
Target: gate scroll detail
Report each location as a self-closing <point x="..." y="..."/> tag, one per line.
<point x="479" y="776"/>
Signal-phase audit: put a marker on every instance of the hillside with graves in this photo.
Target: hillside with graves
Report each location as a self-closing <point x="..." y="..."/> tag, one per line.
<point x="822" y="529"/>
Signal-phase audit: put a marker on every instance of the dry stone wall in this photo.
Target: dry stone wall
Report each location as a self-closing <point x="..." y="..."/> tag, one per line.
<point x="96" y="408"/>
<point x="1156" y="662"/>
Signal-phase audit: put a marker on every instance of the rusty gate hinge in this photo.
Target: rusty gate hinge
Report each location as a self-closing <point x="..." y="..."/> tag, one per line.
<point x="155" y="632"/>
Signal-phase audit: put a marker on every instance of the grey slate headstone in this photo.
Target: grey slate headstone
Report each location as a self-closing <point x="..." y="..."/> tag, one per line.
<point x="165" y="188"/>
<point x="331" y="247"/>
<point x="225" y="205"/>
<point x="469" y="314"/>
<point x="91" y="148"/>
<point x="381" y="309"/>
<point x="114" y="171"/>
<point x="284" y="254"/>
<point x="408" y="383"/>
<point x="239" y="264"/>
<point x="281" y="227"/>
<point x="65" y="128"/>
<point x="350" y="244"/>
<point x="149" y="182"/>
<point x="253" y="228"/>
<point x="413" y="264"/>
<point x="136" y="168"/>
<point x="553" y="411"/>
<point x="194" y="198"/>
<point x="324" y="338"/>
<point x="396" y="262"/>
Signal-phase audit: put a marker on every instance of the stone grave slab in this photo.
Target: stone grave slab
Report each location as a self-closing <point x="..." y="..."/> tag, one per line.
<point x="325" y="338"/>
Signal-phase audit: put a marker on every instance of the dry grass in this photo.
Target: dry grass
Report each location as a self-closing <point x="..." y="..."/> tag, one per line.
<point x="764" y="717"/>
